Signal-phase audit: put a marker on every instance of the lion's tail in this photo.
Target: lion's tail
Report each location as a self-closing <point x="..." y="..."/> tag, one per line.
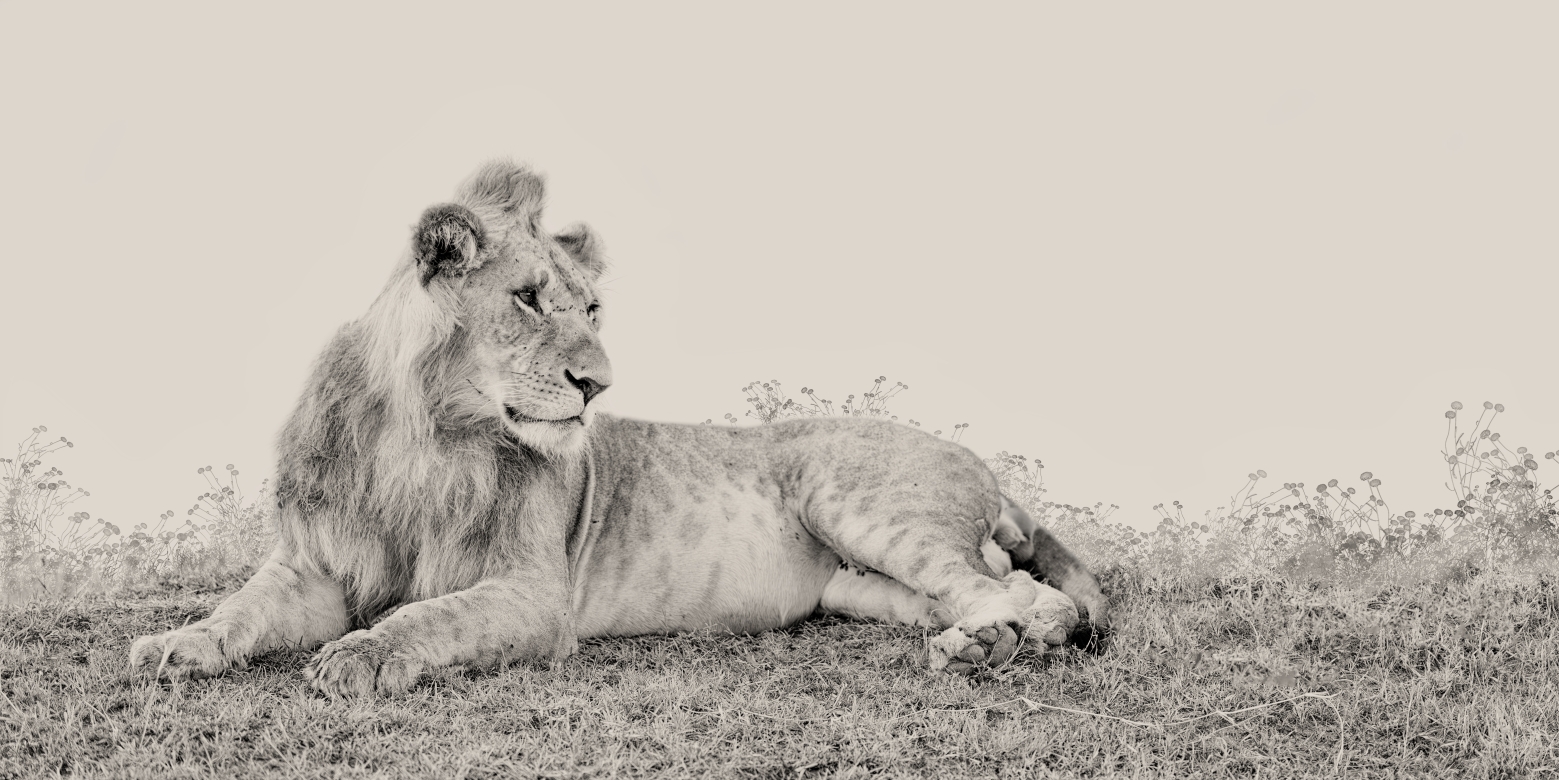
<point x="1040" y="554"/>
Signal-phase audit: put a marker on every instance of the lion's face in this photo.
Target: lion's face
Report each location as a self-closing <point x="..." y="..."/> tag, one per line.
<point x="526" y="308"/>
<point x="532" y="318"/>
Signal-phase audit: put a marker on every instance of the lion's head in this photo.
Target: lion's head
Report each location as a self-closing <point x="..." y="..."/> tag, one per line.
<point x="495" y="320"/>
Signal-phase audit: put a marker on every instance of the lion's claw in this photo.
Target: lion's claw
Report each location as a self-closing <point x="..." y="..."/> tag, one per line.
<point x="182" y="654"/>
<point x="361" y="664"/>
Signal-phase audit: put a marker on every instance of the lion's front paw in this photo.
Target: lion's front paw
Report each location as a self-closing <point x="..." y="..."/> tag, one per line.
<point x="1051" y="618"/>
<point x="181" y="654"/>
<point x="964" y="647"/>
<point x="361" y="664"/>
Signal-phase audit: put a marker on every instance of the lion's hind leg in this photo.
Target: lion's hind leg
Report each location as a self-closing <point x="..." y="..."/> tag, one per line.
<point x="938" y="568"/>
<point x="963" y="644"/>
<point x="871" y="595"/>
<point x="863" y="593"/>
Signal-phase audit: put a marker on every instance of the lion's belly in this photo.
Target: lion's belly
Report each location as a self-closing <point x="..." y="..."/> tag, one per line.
<point x="734" y="560"/>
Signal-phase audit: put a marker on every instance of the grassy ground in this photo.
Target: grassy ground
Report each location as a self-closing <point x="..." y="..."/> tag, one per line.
<point x="1451" y="677"/>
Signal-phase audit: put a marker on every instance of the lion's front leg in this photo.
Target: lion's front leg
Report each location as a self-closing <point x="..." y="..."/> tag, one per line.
<point x="496" y="622"/>
<point x="283" y="603"/>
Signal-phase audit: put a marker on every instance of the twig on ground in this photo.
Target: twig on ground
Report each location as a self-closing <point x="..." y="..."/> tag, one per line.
<point x="1337" y="764"/>
<point x="1225" y="714"/>
<point x="723" y="711"/>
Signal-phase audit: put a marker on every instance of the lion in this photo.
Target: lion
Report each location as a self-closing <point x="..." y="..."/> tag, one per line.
<point x="447" y="494"/>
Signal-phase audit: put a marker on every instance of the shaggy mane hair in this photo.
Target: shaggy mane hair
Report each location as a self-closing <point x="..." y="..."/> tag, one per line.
<point x="391" y="478"/>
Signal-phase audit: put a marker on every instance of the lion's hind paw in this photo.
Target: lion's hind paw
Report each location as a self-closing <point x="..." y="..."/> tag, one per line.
<point x="1044" y="614"/>
<point x="961" y="649"/>
<point x="1051" y="618"/>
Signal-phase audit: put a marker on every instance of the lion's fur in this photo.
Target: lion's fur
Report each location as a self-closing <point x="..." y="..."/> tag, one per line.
<point x="387" y="480"/>
<point x="444" y="479"/>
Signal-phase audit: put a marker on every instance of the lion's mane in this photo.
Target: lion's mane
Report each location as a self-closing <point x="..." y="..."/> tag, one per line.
<point x="394" y="489"/>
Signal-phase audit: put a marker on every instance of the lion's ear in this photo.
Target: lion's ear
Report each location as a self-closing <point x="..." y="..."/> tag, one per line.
<point x="512" y="188"/>
<point x="580" y="242"/>
<point x="448" y="240"/>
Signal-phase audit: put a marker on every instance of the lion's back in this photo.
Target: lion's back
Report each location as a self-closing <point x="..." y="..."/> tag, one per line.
<point x="791" y="464"/>
<point x="700" y="453"/>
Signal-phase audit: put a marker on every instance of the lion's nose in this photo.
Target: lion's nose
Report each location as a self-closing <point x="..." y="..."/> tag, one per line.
<point x="588" y="386"/>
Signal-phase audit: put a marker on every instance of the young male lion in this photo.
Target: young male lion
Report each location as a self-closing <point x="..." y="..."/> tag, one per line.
<point x="448" y="494"/>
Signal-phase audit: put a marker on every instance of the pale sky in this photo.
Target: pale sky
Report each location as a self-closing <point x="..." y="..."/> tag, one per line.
<point x="1156" y="246"/>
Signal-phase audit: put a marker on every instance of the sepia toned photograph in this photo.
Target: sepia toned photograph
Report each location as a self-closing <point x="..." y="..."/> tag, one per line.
<point x="545" y="390"/>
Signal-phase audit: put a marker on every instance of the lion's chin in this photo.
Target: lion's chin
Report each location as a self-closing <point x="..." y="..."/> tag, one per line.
<point x="549" y="437"/>
<point x="516" y="417"/>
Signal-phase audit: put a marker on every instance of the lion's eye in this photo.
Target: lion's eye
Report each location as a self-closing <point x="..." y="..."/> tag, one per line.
<point x="526" y="298"/>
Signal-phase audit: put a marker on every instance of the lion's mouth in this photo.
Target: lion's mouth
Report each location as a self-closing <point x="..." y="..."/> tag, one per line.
<point x="516" y="416"/>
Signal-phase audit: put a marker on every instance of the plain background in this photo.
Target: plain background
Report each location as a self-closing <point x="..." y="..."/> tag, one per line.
<point x="1157" y="246"/>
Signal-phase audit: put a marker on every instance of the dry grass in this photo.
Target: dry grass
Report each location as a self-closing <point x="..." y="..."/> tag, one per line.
<point x="1453" y="676"/>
